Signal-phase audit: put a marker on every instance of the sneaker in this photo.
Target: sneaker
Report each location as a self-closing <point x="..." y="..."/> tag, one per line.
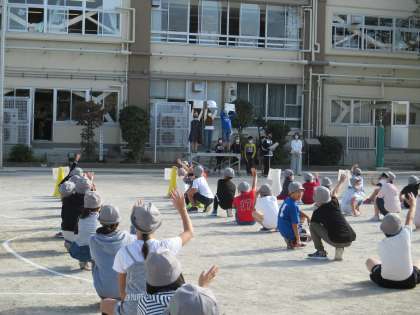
<point x="208" y="207"/>
<point x="213" y="214"/>
<point x="319" y="255"/>
<point x="59" y="235"/>
<point x="305" y="238"/>
<point x="85" y="265"/>
<point x="265" y="230"/>
<point x="339" y="251"/>
<point x="229" y="213"/>
<point x="375" y="218"/>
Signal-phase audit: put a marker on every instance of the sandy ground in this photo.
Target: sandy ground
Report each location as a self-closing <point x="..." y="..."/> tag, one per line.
<point x="258" y="275"/>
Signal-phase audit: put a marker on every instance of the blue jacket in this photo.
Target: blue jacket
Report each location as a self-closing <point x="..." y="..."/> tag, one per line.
<point x="226" y="121"/>
<point x="103" y="249"/>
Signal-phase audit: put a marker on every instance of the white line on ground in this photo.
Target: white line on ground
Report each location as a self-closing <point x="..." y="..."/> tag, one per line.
<point x="37" y="266"/>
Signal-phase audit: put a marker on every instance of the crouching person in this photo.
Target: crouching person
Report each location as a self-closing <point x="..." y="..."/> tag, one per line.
<point x="266" y="209"/>
<point x="88" y="223"/>
<point x="328" y="224"/>
<point x="104" y="245"/>
<point x="395" y="270"/>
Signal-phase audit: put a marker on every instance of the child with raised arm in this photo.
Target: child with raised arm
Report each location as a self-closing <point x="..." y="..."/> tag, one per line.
<point x="395" y="269"/>
<point x="244" y="203"/>
<point x="353" y="198"/>
<point x="412" y="187"/>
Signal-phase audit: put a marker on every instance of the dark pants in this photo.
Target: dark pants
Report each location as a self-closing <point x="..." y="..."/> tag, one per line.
<point x="219" y="161"/>
<point x="267" y="164"/>
<point x="249" y="163"/>
<point x="380" y="203"/>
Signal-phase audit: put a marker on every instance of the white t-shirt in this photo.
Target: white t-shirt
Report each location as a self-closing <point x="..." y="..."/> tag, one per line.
<point x="395" y="253"/>
<point x="345" y="203"/>
<point x="86" y="228"/>
<point x="269" y="207"/>
<point x="180" y="184"/>
<point x="391" y="197"/>
<point x="123" y="261"/>
<point x="202" y="187"/>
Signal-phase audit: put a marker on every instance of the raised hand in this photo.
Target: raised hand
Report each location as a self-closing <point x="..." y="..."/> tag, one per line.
<point x="178" y="200"/>
<point x="207" y="277"/>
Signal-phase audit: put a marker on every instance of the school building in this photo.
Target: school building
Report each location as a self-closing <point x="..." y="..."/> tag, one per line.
<point x="323" y="67"/>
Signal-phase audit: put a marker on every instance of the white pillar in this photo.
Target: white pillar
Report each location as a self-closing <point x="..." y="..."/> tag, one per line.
<point x="2" y="66"/>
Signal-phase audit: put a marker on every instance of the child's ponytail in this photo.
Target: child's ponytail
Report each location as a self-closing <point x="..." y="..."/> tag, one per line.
<point x="145" y="248"/>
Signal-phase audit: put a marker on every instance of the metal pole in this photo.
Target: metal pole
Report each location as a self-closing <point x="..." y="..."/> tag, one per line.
<point x="2" y="66"/>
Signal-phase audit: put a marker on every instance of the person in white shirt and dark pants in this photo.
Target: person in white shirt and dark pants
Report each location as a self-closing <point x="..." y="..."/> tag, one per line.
<point x="296" y="154"/>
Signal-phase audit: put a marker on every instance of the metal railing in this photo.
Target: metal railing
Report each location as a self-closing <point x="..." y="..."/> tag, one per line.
<point x="226" y="40"/>
<point x="360" y="137"/>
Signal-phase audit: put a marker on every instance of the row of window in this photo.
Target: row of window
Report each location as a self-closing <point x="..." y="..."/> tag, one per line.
<point x="369" y="112"/>
<point x="375" y="33"/>
<point x="86" y="17"/>
<point x="226" y="23"/>
<point x="280" y="102"/>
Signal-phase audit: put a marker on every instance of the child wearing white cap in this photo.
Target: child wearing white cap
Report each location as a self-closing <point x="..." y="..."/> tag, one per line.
<point x="395" y="269"/>
<point x="225" y="192"/>
<point x="266" y="209"/>
<point x="328" y="224"/>
<point x="289" y="177"/>
<point x="388" y="199"/>
<point x="311" y="182"/>
<point x="353" y="197"/>
<point x="104" y="245"/>
<point x="129" y="261"/>
<point x="200" y="191"/>
<point x="88" y="223"/>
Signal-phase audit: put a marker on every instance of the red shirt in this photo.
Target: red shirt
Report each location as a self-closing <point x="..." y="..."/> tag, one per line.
<point x="308" y="194"/>
<point x="244" y="205"/>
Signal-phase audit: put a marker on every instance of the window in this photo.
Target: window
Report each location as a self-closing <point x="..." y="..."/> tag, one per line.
<point x="226" y="23"/>
<point x="279" y="101"/>
<point x="87" y="17"/>
<point x="376" y="33"/>
<point x="176" y="90"/>
<point x="158" y="89"/>
<point x="415" y="114"/>
<point x="357" y="112"/>
<point x="63" y="105"/>
<point x="111" y="107"/>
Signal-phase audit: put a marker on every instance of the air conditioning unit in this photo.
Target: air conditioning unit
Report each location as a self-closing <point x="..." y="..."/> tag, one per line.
<point x="198" y="86"/>
<point x="156" y="3"/>
<point x="10" y="135"/>
<point x="172" y="138"/>
<point x="10" y="116"/>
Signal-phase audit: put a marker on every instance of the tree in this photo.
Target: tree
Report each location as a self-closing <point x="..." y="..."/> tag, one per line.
<point x="244" y="115"/>
<point x="134" y="124"/>
<point x="90" y="116"/>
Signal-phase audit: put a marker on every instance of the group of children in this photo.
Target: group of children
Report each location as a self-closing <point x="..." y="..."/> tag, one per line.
<point x="328" y="222"/>
<point x="133" y="272"/>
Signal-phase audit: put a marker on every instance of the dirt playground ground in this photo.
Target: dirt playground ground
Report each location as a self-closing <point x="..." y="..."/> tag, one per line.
<point x="257" y="275"/>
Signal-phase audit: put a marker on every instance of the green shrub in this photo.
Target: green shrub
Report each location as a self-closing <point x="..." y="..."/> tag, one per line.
<point x="280" y="132"/>
<point x="21" y="153"/>
<point x="328" y="153"/>
<point x="243" y="116"/>
<point x="134" y="124"/>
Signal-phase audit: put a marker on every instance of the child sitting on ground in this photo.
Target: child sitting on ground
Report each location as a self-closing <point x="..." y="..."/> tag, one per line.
<point x="311" y="182"/>
<point x="245" y="202"/>
<point x="357" y="172"/>
<point x="383" y="178"/>
<point x="200" y="191"/>
<point x="226" y="190"/>
<point x="412" y="187"/>
<point x="266" y="209"/>
<point x="353" y="197"/>
<point x="88" y="223"/>
<point x="290" y="216"/>
<point x="387" y="199"/>
<point x="289" y="177"/>
<point x="395" y="269"/>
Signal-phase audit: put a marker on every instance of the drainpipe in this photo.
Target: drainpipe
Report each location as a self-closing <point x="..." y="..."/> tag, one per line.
<point x="2" y="66"/>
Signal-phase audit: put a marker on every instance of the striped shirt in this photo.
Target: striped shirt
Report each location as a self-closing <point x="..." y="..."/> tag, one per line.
<point x="154" y="304"/>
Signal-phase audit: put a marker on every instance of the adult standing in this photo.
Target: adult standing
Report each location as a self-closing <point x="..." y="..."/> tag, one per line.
<point x="226" y="127"/>
<point x="195" y="130"/>
<point x="296" y="154"/>
<point x="209" y="124"/>
<point x="267" y="152"/>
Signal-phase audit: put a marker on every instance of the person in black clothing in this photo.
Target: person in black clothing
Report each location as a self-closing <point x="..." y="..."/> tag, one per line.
<point x="267" y="142"/>
<point x="412" y="187"/>
<point x="236" y="148"/>
<point x="72" y="208"/>
<point x="196" y="131"/>
<point x="226" y="190"/>
<point x="329" y="224"/>
<point x="219" y="148"/>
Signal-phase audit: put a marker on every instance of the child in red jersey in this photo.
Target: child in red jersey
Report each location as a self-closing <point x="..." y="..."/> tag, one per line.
<point x="311" y="182"/>
<point x="245" y="202"/>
